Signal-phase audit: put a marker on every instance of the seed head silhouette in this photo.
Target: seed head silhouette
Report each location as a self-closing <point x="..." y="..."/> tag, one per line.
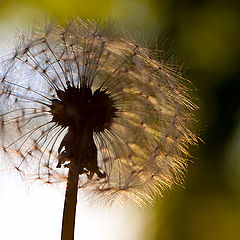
<point x="89" y="100"/>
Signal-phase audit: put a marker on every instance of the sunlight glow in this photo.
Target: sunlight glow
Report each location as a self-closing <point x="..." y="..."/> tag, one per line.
<point x="34" y="211"/>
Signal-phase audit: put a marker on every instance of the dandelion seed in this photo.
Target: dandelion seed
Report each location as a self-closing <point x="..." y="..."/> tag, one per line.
<point x="89" y="100"/>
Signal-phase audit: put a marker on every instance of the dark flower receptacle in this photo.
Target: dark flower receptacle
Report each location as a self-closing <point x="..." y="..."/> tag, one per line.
<point x="90" y="96"/>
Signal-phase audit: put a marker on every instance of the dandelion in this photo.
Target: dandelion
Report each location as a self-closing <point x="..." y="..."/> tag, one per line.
<point x="90" y="103"/>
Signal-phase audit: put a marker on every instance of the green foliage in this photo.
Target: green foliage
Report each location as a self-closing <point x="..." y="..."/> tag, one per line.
<point x="206" y="36"/>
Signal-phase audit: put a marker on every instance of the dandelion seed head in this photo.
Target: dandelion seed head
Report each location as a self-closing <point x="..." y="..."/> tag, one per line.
<point x="91" y="96"/>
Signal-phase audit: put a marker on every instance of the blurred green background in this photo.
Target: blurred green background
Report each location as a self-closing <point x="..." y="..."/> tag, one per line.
<point x="205" y="36"/>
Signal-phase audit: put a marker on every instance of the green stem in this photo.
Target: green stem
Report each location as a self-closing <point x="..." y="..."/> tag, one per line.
<point x="70" y="203"/>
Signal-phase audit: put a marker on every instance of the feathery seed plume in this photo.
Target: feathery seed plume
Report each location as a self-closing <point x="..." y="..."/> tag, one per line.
<point x="92" y="101"/>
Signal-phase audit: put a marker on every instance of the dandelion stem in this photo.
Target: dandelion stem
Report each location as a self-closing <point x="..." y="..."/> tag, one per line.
<point x="70" y="203"/>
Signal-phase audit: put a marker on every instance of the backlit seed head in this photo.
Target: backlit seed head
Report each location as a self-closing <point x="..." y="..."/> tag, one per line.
<point x="91" y="96"/>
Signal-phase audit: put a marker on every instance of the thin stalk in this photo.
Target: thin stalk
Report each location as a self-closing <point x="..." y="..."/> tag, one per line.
<point x="70" y="203"/>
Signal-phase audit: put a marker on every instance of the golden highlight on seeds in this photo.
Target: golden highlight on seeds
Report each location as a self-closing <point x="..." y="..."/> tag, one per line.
<point x="91" y="99"/>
